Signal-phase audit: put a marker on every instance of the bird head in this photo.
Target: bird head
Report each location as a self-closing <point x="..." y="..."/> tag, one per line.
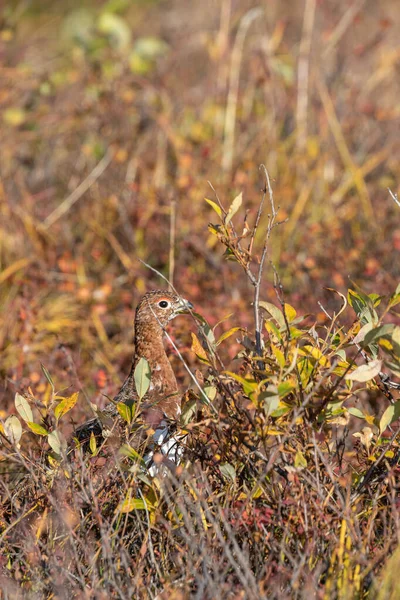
<point x="161" y="307"/>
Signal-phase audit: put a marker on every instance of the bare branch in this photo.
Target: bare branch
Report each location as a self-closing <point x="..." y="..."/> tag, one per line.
<point x="257" y="285"/>
<point x="394" y="196"/>
<point x="83" y="187"/>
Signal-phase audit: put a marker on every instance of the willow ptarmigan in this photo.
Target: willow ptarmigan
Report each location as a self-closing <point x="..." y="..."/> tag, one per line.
<point x="161" y="406"/>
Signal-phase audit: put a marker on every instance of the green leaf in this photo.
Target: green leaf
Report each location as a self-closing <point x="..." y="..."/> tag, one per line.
<point x="248" y="386"/>
<point x="56" y="442"/>
<point x="377" y="333"/>
<point x="23" y="408"/>
<point x="142" y="376"/>
<point x="188" y="411"/>
<point x="283" y="409"/>
<point x="269" y="400"/>
<point x="78" y="26"/>
<point x="151" y="47"/>
<point x="131" y="453"/>
<point x="365" y="372"/>
<point x="396" y="338"/>
<point x="65" y="405"/>
<point x="38" y="429"/>
<point x="146" y="50"/>
<point x="285" y="388"/>
<point x="234" y="207"/>
<point x="272" y="329"/>
<point x="115" y="28"/>
<point x="391" y="414"/>
<point x="210" y="391"/>
<point x="115" y="6"/>
<point x="356" y="412"/>
<point x="395" y="298"/>
<point x="215" y="206"/>
<point x="376" y="299"/>
<point x="228" y="472"/>
<point x="295" y="333"/>
<point x="275" y="313"/>
<point x="13" y="429"/>
<point x="47" y="375"/>
<point x="356" y="301"/>
<point x="206" y="330"/>
<point x="363" y="306"/>
<point x="362" y="333"/>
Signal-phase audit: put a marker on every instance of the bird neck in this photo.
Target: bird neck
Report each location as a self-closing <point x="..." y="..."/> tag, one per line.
<point x="149" y="345"/>
<point x="163" y="397"/>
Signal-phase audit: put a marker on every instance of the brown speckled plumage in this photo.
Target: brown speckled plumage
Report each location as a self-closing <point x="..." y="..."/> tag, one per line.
<point x="163" y="399"/>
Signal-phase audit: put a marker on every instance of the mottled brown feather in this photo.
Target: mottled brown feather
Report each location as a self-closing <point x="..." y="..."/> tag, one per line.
<point x="163" y="398"/>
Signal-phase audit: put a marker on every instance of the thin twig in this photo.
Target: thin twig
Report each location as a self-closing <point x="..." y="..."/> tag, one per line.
<point x="257" y="285"/>
<point x="233" y="93"/>
<point x="65" y="206"/>
<point x="217" y="197"/>
<point x="345" y="22"/>
<point x="375" y="465"/>
<point x="303" y="71"/>
<point x="394" y="196"/>
<point x="172" y="236"/>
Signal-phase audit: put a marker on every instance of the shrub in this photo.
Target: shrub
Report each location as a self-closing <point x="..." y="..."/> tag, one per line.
<point x="289" y="482"/>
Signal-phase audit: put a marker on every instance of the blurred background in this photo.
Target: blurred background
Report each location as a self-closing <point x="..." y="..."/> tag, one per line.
<point x="116" y="115"/>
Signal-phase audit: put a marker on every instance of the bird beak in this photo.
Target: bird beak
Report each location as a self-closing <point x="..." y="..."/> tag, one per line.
<point x="184" y="307"/>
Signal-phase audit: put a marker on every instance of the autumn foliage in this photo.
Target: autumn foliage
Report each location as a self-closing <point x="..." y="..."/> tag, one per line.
<point x="242" y="153"/>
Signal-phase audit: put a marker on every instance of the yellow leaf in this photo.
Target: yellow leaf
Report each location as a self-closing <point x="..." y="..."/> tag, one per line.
<point x="198" y="349"/>
<point x="38" y="429"/>
<point x="19" y="264"/>
<point x="315" y="353"/>
<point x="299" y="460"/>
<point x="269" y="431"/>
<point x="290" y="312"/>
<point x="41" y="524"/>
<point x="130" y="504"/>
<point x="249" y="385"/>
<point x="215" y="206"/>
<point x="125" y="412"/>
<point x="93" y="443"/>
<point x="65" y="405"/>
<point x="14" y="116"/>
<point x="278" y="355"/>
<point x="227" y="334"/>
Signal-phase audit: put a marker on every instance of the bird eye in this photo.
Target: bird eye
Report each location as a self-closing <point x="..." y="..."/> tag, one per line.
<point x="163" y="304"/>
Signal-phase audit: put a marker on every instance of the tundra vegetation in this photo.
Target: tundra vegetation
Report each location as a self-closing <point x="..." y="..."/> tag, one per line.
<point x="246" y="155"/>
